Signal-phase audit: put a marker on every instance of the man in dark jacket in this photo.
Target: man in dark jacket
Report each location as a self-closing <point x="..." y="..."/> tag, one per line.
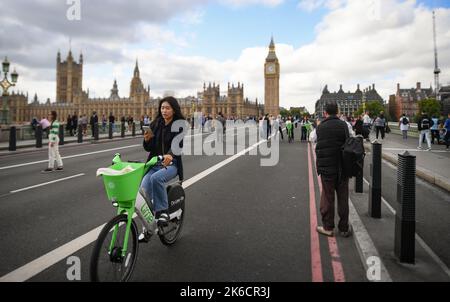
<point x="424" y="125"/>
<point x="93" y="122"/>
<point x="331" y="136"/>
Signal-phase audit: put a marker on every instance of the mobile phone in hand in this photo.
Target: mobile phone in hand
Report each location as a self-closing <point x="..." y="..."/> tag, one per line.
<point x="147" y="129"/>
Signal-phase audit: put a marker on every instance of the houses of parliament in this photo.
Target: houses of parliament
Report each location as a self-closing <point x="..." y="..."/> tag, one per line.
<point x="72" y="99"/>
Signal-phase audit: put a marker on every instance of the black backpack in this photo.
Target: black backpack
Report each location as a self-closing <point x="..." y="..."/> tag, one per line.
<point x="425" y="124"/>
<point x="405" y="121"/>
<point x="353" y="154"/>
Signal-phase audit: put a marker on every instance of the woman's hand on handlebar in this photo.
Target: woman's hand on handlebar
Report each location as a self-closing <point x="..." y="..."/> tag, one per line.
<point x="167" y="159"/>
<point x="148" y="136"/>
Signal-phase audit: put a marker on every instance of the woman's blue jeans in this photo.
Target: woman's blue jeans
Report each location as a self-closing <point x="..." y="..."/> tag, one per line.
<point x="154" y="185"/>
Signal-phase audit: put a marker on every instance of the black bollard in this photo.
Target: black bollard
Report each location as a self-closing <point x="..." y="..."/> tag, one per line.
<point x="96" y="131"/>
<point x="39" y="136"/>
<point x="12" y="138"/>
<point x="110" y="131"/>
<point x="375" y="185"/>
<point x="133" y="129"/>
<point x="405" y="216"/>
<point x="80" y="134"/>
<point x="122" y="130"/>
<point x="61" y="135"/>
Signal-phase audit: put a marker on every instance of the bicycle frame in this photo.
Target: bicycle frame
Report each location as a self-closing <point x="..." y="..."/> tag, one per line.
<point x="129" y="211"/>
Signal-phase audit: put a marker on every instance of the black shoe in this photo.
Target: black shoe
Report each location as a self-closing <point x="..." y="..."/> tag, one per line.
<point x="162" y="219"/>
<point x="348" y="233"/>
<point x="60" y="169"/>
<point x="144" y="237"/>
<point x="48" y="170"/>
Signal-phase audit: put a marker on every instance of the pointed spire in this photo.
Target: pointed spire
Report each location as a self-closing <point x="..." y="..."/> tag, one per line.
<point x="272" y="44"/>
<point x="58" y="56"/>
<point x="81" y="57"/>
<point x="136" y="69"/>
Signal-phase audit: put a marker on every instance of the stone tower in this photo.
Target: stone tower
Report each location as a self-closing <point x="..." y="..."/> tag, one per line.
<point x="272" y="82"/>
<point x="235" y="103"/>
<point x="69" y="78"/>
<point x="211" y="96"/>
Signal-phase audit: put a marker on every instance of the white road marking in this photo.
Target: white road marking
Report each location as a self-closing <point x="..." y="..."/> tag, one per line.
<point x="40" y="264"/>
<point x="37" y="266"/>
<point x="46" y="183"/>
<point x="71" y="156"/>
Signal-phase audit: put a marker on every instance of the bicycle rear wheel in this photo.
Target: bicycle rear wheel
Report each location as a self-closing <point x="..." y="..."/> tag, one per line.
<point x="111" y="266"/>
<point x="172" y="231"/>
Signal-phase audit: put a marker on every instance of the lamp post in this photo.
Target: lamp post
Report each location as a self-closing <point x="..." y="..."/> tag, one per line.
<point x="6" y="84"/>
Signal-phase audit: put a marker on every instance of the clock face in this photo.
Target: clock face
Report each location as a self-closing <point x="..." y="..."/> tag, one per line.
<point x="271" y="68"/>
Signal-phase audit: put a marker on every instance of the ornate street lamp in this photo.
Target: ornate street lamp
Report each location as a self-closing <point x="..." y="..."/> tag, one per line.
<point x="6" y="84"/>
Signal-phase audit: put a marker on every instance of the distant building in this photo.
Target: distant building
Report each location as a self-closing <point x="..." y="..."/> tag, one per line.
<point x="72" y="99"/>
<point x="407" y="100"/>
<point x="348" y="102"/>
<point x="444" y="93"/>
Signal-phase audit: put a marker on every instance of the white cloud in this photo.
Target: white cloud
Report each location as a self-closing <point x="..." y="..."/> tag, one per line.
<point x="240" y="3"/>
<point x="311" y="5"/>
<point x="350" y="47"/>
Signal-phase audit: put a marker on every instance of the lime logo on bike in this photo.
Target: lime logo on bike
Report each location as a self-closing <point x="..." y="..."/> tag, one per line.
<point x="147" y="213"/>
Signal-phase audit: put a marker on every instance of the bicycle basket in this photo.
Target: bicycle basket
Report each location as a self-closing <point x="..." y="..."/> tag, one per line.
<point x="123" y="188"/>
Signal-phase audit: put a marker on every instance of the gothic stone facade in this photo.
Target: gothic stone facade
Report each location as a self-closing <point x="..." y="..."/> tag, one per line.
<point x="72" y="99"/>
<point x="348" y="102"/>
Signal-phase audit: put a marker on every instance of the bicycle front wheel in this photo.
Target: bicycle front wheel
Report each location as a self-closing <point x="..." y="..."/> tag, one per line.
<point x="108" y="262"/>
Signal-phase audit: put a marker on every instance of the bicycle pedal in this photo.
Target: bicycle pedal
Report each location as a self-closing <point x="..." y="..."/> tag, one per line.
<point x="144" y="237"/>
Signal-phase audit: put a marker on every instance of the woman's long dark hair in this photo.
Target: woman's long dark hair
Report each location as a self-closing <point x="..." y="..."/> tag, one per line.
<point x="177" y="115"/>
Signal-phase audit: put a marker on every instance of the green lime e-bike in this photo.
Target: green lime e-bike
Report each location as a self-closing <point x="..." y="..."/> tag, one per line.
<point x="116" y="249"/>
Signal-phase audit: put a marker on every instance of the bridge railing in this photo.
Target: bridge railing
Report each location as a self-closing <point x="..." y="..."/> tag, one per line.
<point x="26" y="132"/>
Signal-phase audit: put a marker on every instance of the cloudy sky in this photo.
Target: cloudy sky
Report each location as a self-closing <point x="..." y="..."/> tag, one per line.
<point x="182" y="43"/>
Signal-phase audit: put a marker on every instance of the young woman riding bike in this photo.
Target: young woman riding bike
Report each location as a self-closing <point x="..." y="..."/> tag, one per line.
<point x="158" y="142"/>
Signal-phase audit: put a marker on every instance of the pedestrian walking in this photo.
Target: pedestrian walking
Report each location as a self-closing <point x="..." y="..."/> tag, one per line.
<point x="220" y="119"/>
<point x="447" y="132"/>
<point x="424" y="125"/>
<point x="404" y="126"/>
<point x="280" y="123"/>
<point x="366" y="125"/>
<point x="435" y="130"/>
<point x="53" y="145"/>
<point x="380" y="125"/>
<point x="104" y="123"/>
<point x="93" y="121"/>
<point x="331" y="135"/>
<point x="75" y="123"/>
<point x="69" y="125"/>
<point x="359" y="126"/>
<point x="290" y="130"/>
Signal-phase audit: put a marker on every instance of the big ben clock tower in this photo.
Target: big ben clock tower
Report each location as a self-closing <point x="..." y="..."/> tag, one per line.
<point x="272" y="82"/>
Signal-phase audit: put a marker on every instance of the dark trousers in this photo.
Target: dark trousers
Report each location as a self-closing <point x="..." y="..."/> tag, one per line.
<point x="435" y="135"/>
<point x="380" y="129"/>
<point x="304" y="134"/>
<point x="281" y="133"/>
<point x="330" y="185"/>
<point x="447" y="138"/>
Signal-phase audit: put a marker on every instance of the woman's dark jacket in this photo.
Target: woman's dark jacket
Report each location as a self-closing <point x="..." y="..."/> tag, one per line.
<point x="161" y="143"/>
<point x="331" y="136"/>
